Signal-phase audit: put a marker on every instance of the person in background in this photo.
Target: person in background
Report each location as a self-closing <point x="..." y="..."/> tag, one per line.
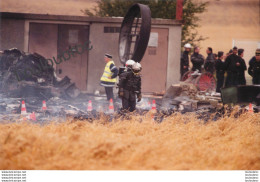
<point x="130" y="87"/>
<point x="215" y="57"/>
<point x="225" y="56"/>
<point x="254" y="67"/>
<point x="229" y="53"/>
<point x="185" y="59"/>
<point x="241" y="68"/>
<point x="197" y="59"/>
<point x="210" y="61"/>
<point x="108" y="79"/>
<point x="220" y="71"/>
<point x="128" y="67"/>
<point x="231" y="66"/>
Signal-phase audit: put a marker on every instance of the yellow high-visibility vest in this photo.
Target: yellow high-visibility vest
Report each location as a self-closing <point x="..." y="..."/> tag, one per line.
<point x="108" y="73"/>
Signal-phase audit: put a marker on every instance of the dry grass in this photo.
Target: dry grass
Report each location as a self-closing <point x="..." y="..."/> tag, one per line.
<point x="181" y="142"/>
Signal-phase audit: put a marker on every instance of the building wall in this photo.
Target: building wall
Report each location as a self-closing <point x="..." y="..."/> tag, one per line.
<point x="102" y="43"/>
<point x="12" y="33"/>
<point x="163" y="69"/>
<point x="43" y="39"/>
<point x="174" y="53"/>
<point x="154" y="63"/>
<point x="228" y="20"/>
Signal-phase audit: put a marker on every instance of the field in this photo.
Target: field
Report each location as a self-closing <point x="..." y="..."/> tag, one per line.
<point x="181" y="142"/>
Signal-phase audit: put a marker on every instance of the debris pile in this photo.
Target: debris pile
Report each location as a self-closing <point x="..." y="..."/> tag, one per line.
<point x="186" y="97"/>
<point x="24" y="74"/>
<point x="31" y="78"/>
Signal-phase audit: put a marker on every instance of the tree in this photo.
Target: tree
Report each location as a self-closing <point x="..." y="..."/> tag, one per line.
<point x="159" y="9"/>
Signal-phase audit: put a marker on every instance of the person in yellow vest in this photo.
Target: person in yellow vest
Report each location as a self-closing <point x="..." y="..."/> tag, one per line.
<point x="108" y="79"/>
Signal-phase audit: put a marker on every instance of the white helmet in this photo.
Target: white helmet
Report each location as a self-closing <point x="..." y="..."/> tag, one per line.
<point x="129" y="63"/>
<point x="137" y="67"/>
<point x="187" y="46"/>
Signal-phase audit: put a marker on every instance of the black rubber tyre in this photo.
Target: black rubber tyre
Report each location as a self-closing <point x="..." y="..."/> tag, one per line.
<point x="125" y="37"/>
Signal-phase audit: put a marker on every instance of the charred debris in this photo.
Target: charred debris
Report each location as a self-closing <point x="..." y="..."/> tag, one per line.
<point x="29" y="75"/>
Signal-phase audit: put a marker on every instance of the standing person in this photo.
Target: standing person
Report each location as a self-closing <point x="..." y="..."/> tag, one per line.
<point x="215" y="57"/>
<point x="130" y="87"/>
<point x="128" y="67"/>
<point x="210" y="61"/>
<point x="230" y="52"/>
<point x="108" y="79"/>
<point x="226" y="55"/>
<point x="185" y="59"/>
<point x="231" y="66"/>
<point x="241" y="68"/>
<point x="220" y="71"/>
<point x="254" y="67"/>
<point x="197" y="59"/>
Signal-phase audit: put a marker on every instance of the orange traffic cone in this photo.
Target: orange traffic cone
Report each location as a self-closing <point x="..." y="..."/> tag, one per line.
<point x="44" y="107"/>
<point x="153" y="107"/>
<point x="111" y="107"/>
<point x="89" y="109"/>
<point x="153" y="110"/>
<point x="23" y="108"/>
<point x="250" y="108"/>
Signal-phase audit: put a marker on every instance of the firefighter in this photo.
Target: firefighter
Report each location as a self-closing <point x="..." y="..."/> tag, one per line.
<point x="185" y="59"/>
<point x="254" y="67"/>
<point x="128" y="67"/>
<point x="220" y="71"/>
<point x="130" y="87"/>
<point x="108" y="79"/>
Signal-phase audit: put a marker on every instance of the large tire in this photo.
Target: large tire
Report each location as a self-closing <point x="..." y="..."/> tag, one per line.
<point x="206" y="82"/>
<point x="125" y="37"/>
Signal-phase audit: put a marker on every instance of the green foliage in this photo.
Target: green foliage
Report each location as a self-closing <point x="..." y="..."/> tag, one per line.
<point x="159" y="9"/>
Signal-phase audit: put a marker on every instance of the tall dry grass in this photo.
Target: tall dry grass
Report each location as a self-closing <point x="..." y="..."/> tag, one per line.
<point x="180" y="142"/>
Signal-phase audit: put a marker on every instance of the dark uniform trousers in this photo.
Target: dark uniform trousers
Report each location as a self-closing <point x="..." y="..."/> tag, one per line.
<point x="184" y="62"/>
<point x="220" y="71"/>
<point x="129" y="100"/>
<point x="256" y="79"/>
<point x="256" y="73"/>
<point x="220" y="80"/>
<point x="109" y="93"/>
<point x="232" y="78"/>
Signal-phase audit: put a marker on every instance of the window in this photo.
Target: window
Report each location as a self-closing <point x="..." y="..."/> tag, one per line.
<point x="111" y="29"/>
